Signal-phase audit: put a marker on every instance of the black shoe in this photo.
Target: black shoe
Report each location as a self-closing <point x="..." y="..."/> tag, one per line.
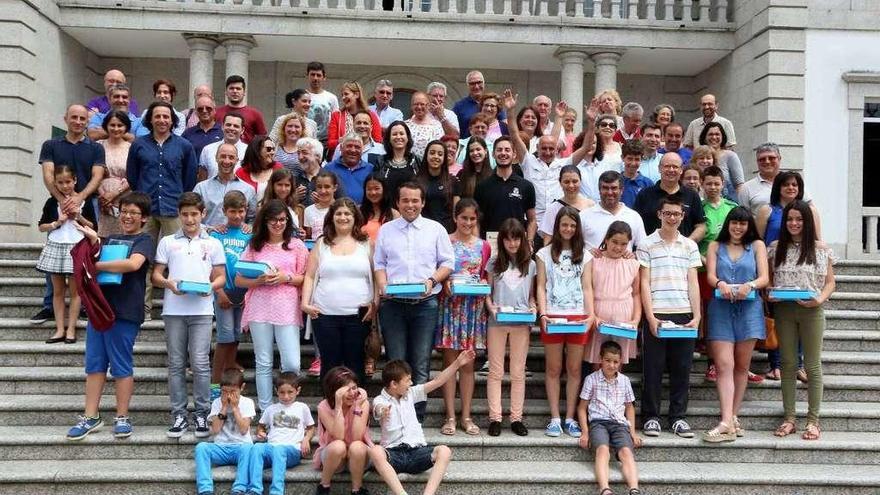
<point x="55" y="340"/>
<point x="494" y="428"/>
<point x="202" y="430"/>
<point x="519" y="428"/>
<point x="82" y="314"/>
<point x="361" y="491"/>
<point x="42" y="316"/>
<point x="322" y="490"/>
<point x="179" y="427"/>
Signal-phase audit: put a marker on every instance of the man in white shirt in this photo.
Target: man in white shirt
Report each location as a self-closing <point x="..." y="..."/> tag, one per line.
<point x="438" y="111"/>
<point x="710" y="114"/>
<point x="595" y="220"/>
<point x="755" y="193"/>
<point x="233" y="126"/>
<point x="384" y="93"/>
<point x="323" y="102"/>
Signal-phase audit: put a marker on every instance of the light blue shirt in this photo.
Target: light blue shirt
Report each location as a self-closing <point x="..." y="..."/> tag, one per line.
<point x="650" y="167"/>
<point x="137" y="127"/>
<point x="410" y="252"/>
<point x="387" y="115"/>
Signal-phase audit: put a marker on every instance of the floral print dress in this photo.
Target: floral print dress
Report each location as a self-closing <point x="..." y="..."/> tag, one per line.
<point x="463" y="319"/>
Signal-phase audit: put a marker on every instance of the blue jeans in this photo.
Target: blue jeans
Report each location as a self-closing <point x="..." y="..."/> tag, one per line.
<point x="189" y="335"/>
<point x="221" y="454"/>
<point x="408" y="331"/>
<point x="280" y="457"/>
<point x="264" y="335"/>
<point x="341" y="341"/>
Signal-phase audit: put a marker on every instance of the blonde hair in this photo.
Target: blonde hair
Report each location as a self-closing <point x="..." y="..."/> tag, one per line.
<point x="618" y="103"/>
<point x="704" y="151"/>
<point x="355" y="87"/>
<point x="282" y="137"/>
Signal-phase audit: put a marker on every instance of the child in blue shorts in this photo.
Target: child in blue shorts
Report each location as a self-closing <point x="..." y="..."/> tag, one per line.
<point x="114" y="347"/>
<point x="229" y="301"/>
<point x="608" y="396"/>
<point x="230" y="420"/>
<point x="287" y="426"/>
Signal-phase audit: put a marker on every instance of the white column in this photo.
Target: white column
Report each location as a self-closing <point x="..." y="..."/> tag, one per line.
<point x="238" y="51"/>
<point x="201" y="62"/>
<point x="572" y="60"/>
<point x="606" y="69"/>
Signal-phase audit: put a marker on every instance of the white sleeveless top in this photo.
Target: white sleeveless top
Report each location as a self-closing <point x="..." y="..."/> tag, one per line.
<point x="343" y="283"/>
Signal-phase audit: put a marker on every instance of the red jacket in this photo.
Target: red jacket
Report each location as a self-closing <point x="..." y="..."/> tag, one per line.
<point x="100" y="313"/>
<point x="336" y="129"/>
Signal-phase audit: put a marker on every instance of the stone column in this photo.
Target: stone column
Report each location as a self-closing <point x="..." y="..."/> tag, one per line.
<point x="238" y="51"/>
<point x="201" y="62"/>
<point x="606" y="69"/>
<point x="572" y="60"/>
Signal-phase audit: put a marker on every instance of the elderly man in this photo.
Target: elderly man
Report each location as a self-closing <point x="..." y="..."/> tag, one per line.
<point x="596" y="220"/>
<point x="632" y="120"/>
<point x="233" y="126"/>
<point x="192" y="114"/>
<point x="383" y="93"/>
<point x="693" y="224"/>
<point x="165" y="90"/>
<point x="755" y="192"/>
<point x="414" y="250"/>
<point x="466" y="107"/>
<point x="101" y="104"/>
<point x="120" y="99"/>
<point x="215" y="188"/>
<point x="236" y="91"/>
<point x="709" y="107"/>
<point x="544" y="105"/>
<point x="351" y="170"/>
<point x="672" y="139"/>
<point x="438" y="111"/>
<point x="206" y="130"/>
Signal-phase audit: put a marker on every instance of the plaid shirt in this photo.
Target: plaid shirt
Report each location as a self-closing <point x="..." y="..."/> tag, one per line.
<point x="608" y="398"/>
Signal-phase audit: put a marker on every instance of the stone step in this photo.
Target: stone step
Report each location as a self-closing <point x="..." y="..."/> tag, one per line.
<point x="857" y="283"/>
<point x="22" y="286"/>
<point x="862" y="301"/>
<point x="852" y="320"/>
<point x="20" y="250"/>
<point x="149" y="477"/>
<point x="56" y="380"/>
<point x="14" y="268"/>
<point x="150" y="442"/>
<point x="25" y="307"/>
<point x="28" y="410"/>
<point x="857" y="267"/>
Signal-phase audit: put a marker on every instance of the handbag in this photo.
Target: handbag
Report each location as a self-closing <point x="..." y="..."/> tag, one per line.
<point x="771" y="340"/>
<point x="373" y="343"/>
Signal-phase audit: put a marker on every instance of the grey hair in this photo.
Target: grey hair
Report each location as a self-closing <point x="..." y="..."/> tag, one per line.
<point x="435" y="85"/>
<point x="350" y="137"/>
<point x="315" y="145"/>
<point x="769" y="146"/>
<point x="383" y="83"/>
<point x="473" y="73"/>
<point x="632" y="108"/>
<point x="119" y="87"/>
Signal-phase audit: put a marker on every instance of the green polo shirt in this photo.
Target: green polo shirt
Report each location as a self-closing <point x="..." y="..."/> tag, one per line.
<point x="714" y="220"/>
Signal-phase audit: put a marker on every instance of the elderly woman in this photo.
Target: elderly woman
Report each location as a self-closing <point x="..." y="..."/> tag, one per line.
<point x="258" y="164"/>
<point x="299" y="101"/>
<point x="610" y="103"/>
<point x="116" y="124"/>
<point x="422" y="126"/>
<point x="489" y="107"/>
<point x="293" y="127"/>
<point x="663" y="114"/>
<point x="342" y="120"/>
<point x="713" y="135"/>
<point x="363" y="127"/>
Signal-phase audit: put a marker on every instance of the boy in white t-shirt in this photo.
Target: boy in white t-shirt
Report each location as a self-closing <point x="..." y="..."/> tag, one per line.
<point x="190" y="255"/>
<point x="288" y="427"/>
<point x="404" y="448"/>
<point x="230" y="418"/>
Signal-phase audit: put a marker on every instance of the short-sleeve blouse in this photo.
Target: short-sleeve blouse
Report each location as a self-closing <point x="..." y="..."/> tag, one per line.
<point x="790" y="274"/>
<point x="276" y="304"/>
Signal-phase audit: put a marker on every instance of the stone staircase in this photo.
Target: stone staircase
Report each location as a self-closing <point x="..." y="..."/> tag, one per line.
<point x="41" y="389"/>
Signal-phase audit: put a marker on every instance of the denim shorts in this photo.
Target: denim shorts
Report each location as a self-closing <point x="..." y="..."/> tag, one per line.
<point x="229" y="320"/>
<point x="410" y="460"/>
<point x="113" y="348"/>
<point x="615" y="435"/>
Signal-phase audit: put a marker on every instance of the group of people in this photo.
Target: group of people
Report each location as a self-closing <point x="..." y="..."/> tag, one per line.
<point x="645" y="226"/>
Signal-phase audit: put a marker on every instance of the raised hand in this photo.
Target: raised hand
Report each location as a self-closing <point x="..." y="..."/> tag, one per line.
<point x="560" y="108"/>
<point x="509" y="99"/>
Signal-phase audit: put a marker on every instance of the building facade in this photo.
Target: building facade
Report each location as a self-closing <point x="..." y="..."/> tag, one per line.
<point x="765" y="60"/>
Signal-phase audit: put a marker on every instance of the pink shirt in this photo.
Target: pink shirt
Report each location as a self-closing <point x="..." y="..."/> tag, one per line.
<point x="278" y="304"/>
<point x="324" y="437"/>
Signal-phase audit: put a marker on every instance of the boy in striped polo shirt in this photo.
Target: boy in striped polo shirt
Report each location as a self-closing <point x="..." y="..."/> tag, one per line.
<point x="670" y="292"/>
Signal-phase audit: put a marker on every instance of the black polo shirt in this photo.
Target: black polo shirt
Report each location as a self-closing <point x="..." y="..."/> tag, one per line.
<point x="82" y="156"/>
<point x="501" y="199"/>
<point x="648" y="201"/>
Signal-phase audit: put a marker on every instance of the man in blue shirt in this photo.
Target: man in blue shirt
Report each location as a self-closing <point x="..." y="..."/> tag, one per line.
<point x="207" y="131"/>
<point x="387" y="114"/>
<point x="633" y="181"/>
<point x="672" y="139"/>
<point x="350" y="169"/>
<point x="466" y="107"/>
<point x="162" y="165"/>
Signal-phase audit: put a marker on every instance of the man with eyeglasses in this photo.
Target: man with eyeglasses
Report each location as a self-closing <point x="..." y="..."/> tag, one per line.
<point x="192" y="114"/>
<point x="438" y="111"/>
<point x="207" y="130"/>
<point x="693" y="224"/>
<point x="632" y="120"/>
<point x="755" y="192"/>
<point x="466" y="107"/>
<point x="384" y="93"/>
<point x="709" y="108"/>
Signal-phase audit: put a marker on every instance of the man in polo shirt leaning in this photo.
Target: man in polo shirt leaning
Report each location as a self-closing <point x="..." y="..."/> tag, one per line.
<point x="693" y="224"/>
<point x="505" y="194"/>
<point x="350" y="168"/>
<point x="596" y="220"/>
<point x="414" y="250"/>
<point x="755" y="193"/>
<point x="214" y="190"/>
<point x="670" y="292"/>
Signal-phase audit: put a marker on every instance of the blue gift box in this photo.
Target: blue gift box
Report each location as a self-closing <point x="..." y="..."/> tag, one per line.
<point x="733" y="288"/>
<point x="470" y="289"/>
<point x="198" y="288"/>
<point x="405" y="290"/>
<point x="112" y="252"/>
<point x="619" y="331"/>
<point x="791" y="294"/>
<point x="677" y="333"/>
<point x="310" y="244"/>
<point x="513" y="317"/>
<point x="571" y="324"/>
<point x="252" y="269"/>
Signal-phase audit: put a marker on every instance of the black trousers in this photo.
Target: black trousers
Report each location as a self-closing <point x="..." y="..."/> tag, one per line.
<point x="673" y="355"/>
<point x="341" y="342"/>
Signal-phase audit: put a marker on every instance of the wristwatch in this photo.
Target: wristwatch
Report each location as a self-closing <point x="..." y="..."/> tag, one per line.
<point x="222" y="416"/>
<point x="433" y="281"/>
<point x="753" y="285"/>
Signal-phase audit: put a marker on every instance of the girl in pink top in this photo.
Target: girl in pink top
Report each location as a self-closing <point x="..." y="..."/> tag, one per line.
<point x="272" y="303"/>
<point x="615" y="292"/>
<point x="342" y="430"/>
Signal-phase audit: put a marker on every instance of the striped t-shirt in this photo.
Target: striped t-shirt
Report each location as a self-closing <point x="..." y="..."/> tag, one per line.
<point x="669" y="264"/>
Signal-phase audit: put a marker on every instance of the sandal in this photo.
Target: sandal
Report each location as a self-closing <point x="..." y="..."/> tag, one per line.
<point x="785" y="429"/>
<point x="369" y="367"/>
<point x="812" y="432"/>
<point x="448" y="427"/>
<point x="606" y="491"/>
<point x="469" y="427"/>
<point x="802" y="375"/>
<point x="740" y="432"/>
<point x="773" y="374"/>
<point x="721" y="433"/>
